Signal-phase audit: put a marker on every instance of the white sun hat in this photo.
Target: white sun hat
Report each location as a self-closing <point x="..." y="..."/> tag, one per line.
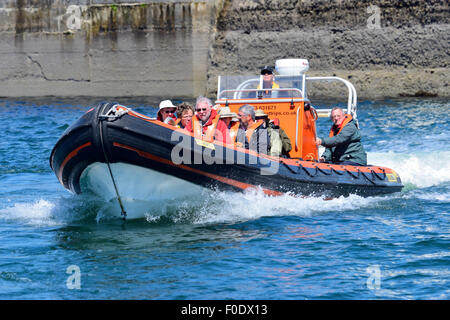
<point x="166" y="104"/>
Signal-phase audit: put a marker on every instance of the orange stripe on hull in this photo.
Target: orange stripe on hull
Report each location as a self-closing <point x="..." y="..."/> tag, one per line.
<point x="70" y="156"/>
<point x="232" y="182"/>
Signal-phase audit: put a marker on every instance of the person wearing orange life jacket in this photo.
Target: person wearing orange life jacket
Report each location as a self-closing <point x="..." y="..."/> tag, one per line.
<point x="252" y="134"/>
<point x="227" y="116"/>
<point x="231" y="120"/>
<point x="206" y="123"/>
<point x="343" y="146"/>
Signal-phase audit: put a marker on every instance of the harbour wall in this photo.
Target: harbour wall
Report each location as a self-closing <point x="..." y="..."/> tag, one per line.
<point x="175" y="48"/>
<point x="105" y="48"/>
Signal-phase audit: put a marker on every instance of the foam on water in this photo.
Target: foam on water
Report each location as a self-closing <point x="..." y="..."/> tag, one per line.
<point x="38" y="213"/>
<point x="434" y="196"/>
<point x="254" y="204"/>
<point x="234" y="207"/>
<point x="421" y="169"/>
<point x="208" y="208"/>
<point x="52" y="212"/>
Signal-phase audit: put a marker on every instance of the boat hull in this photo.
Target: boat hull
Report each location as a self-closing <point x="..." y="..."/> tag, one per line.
<point x="143" y="192"/>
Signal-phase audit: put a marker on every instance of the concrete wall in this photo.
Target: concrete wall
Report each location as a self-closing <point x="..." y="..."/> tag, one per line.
<point x="105" y="48"/>
<point x="177" y="48"/>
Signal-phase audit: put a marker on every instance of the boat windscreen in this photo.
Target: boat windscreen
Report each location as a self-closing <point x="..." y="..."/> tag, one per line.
<point x="249" y="87"/>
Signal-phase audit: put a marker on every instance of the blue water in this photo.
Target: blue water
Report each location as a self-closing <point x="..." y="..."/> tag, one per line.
<point x="229" y="245"/>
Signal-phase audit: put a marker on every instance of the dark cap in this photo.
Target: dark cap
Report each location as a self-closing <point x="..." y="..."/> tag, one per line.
<point x="267" y="70"/>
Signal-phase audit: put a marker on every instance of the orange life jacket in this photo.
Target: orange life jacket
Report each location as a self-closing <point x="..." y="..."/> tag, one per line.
<point x="210" y="130"/>
<point x="274" y="86"/>
<point x="249" y="133"/>
<point x="233" y="131"/>
<point x="252" y="128"/>
<point x="348" y="118"/>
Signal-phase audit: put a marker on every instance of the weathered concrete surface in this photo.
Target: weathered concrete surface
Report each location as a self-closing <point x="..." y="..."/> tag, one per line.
<point x="105" y="48"/>
<point x="177" y="48"/>
<point x="406" y="54"/>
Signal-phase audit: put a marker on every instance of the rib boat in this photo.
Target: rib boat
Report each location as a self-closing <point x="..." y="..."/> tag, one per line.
<point x="129" y="157"/>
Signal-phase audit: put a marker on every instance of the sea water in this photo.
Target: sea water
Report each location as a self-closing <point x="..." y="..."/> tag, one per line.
<point x="227" y="245"/>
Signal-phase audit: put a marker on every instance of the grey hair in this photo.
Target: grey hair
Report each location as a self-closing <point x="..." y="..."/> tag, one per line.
<point x="336" y="108"/>
<point x="248" y="110"/>
<point x="202" y="99"/>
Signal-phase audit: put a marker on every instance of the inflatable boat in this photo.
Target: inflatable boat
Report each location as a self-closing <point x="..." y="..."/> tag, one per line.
<point x="128" y="156"/>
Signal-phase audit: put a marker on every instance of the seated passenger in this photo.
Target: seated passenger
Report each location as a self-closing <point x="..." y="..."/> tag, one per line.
<point x="227" y="116"/>
<point x="343" y="146"/>
<point x="232" y="122"/>
<point x="206" y="123"/>
<point x="166" y="112"/>
<point x="252" y="134"/>
<point x="185" y="111"/>
<point x="279" y="140"/>
<point x="268" y="83"/>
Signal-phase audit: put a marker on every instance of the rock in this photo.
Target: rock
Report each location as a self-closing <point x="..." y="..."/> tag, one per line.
<point x="335" y="35"/>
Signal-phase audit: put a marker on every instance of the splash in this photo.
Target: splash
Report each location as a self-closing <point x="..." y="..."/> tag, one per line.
<point x="38" y="213"/>
<point x="422" y="169"/>
<point x="55" y="212"/>
<point x="253" y="204"/>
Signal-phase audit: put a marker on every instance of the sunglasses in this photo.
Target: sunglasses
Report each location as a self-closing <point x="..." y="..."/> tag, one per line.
<point x="169" y="111"/>
<point x="201" y="109"/>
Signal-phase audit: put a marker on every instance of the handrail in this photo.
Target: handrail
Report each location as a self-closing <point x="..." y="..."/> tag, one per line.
<point x="257" y="80"/>
<point x="352" y="97"/>
<point x="219" y="83"/>
<point x="230" y="101"/>
<point x="296" y="129"/>
<point x="236" y="91"/>
<point x="243" y="84"/>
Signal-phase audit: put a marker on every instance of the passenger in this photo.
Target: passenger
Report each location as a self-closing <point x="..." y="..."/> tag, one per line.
<point x="227" y="116"/>
<point x="343" y="146"/>
<point x="232" y="122"/>
<point x="166" y="112"/>
<point x="268" y="83"/>
<point x="252" y="134"/>
<point x="279" y="140"/>
<point x="206" y="122"/>
<point x="185" y="111"/>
